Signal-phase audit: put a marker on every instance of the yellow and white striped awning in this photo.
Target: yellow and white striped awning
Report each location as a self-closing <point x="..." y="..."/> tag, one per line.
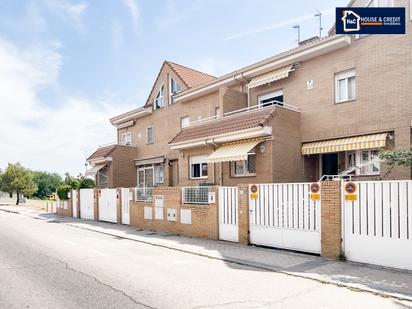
<point x="270" y="76"/>
<point x="346" y="144"/>
<point x="236" y="151"/>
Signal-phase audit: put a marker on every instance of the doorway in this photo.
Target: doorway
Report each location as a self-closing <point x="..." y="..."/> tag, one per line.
<point x="173" y="173"/>
<point x="329" y="164"/>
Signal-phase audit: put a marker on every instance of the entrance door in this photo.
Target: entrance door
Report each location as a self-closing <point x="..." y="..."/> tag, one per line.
<point x="145" y="181"/>
<point x="330" y="164"/>
<point x="228" y="214"/>
<point x="125" y="205"/>
<point x="107" y="205"/>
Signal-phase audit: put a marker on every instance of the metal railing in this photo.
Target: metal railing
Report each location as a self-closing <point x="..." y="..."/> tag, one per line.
<point x="144" y="193"/>
<point x="195" y="195"/>
<point x="264" y="105"/>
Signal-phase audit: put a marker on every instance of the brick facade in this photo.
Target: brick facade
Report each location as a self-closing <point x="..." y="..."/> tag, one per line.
<point x="204" y="218"/>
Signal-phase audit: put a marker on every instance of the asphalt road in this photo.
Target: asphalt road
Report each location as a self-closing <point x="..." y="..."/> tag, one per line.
<point x="52" y="265"/>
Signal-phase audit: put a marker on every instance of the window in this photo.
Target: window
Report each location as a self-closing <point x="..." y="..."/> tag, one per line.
<point x="102" y="176"/>
<point x="271" y="98"/>
<point x="159" y="174"/>
<point x="158" y="102"/>
<point x="198" y="167"/>
<point x="149" y="135"/>
<point x="127" y="138"/>
<point x="184" y="122"/>
<point x="245" y="168"/>
<point x="364" y="160"/>
<point x="174" y="88"/>
<point x="345" y="86"/>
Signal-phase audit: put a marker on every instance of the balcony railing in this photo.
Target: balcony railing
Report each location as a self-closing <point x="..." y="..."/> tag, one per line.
<point x="195" y="195"/>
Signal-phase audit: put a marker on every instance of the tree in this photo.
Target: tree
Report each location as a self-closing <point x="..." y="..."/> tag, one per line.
<point x="47" y="183"/>
<point x="63" y="192"/>
<point x="71" y="181"/>
<point x="396" y="158"/>
<point x="19" y="180"/>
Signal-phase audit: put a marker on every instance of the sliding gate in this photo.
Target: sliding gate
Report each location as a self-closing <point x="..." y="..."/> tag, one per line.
<point x="284" y="216"/>
<point x="378" y="223"/>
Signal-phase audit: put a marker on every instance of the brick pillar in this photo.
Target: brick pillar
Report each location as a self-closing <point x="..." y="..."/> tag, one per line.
<point x="243" y="214"/>
<point x="119" y="205"/>
<point x="96" y="203"/>
<point x="331" y="219"/>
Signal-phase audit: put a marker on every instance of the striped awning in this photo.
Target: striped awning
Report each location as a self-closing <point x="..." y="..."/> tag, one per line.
<point x="236" y="151"/>
<point x="270" y="76"/>
<point x="346" y="144"/>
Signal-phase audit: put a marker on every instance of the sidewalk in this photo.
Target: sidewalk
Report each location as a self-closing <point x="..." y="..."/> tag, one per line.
<point x="383" y="281"/>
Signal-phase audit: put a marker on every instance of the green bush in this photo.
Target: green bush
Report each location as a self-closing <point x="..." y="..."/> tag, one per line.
<point x="86" y="183"/>
<point x="63" y="192"/>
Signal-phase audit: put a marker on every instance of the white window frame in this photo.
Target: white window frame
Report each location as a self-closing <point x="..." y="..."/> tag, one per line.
<point x="171" y="93"/>
<point x="159" y="174"/>
<point x="245" y="173"/>
<point x="359" y="161"/>
<point x="159" y="98"/>
<point x="128" y="137"/>
<point x="143" y="169"/>
<point x="198" y="160"/>
<point x="269" y="95"/>
<point x="345" y="76"/>
<point x="149" y="141"/>
<point x="184" y="122"/>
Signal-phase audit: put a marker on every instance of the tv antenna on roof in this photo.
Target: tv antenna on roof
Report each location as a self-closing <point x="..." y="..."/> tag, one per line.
<point x="319" y="14"/>
<point x="298" y="28"/>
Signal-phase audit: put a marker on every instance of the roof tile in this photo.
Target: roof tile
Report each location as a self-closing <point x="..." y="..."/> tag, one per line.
<point x="227" y="124"/>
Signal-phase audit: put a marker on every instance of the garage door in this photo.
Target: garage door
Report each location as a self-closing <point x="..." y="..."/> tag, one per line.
<point x="284" y="216"/>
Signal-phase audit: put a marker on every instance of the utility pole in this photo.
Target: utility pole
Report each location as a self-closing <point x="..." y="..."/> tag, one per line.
<point x="319" y="14"/>
<point x="298" y="28"/>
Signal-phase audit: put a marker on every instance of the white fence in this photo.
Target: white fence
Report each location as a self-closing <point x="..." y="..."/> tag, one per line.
<point x="378" y="224"/>
<point x="284" y="216"/>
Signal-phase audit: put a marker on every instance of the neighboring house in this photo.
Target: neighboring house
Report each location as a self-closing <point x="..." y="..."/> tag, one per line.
<point x="325" y="107"/>
<point x="112" y="166"/>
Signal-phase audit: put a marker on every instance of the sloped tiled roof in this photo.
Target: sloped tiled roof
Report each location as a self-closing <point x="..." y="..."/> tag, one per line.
<point x="105" y="151"/>
<point x="190" y="77"/>
<point x="226" y="124"/>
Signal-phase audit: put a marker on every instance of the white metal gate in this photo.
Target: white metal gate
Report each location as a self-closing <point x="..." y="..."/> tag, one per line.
<point x="86" y="204"/>
<point x="125" y="198"/>
<point x="284" y="216"/>
<point x="74" y="203"/>
<point x="378" y="224"/>
<point x="107" y="205"/>
<point x="228" y="214"/>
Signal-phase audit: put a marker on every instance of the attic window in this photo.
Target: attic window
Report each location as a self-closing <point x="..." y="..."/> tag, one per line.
<point x="158" y="102"/>
<point x="174" y="88"/>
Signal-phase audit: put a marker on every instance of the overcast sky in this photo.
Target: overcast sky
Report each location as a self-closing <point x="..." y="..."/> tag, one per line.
<point x="66" y="67"/>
